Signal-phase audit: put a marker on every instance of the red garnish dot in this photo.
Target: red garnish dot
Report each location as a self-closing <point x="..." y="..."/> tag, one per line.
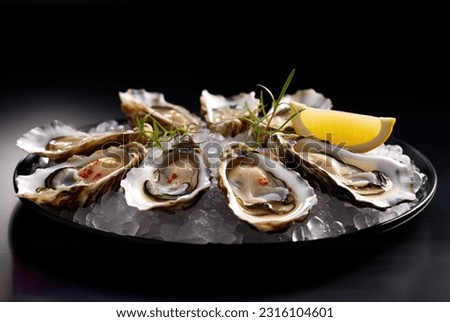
<point x="173" y="177"/>
<point x="263" y="181"/>
<point x="86" y="173"/>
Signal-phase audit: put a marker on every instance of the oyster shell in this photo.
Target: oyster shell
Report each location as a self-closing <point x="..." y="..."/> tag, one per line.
<point x="58" y="141"/>
<point x="81" y="180"/>
<point x="222" y="113"/>
<point x="261" y="190"/>
<point x="308" y="97"/>
<point x="174" y="180"/>
<point x="362" y="179"/>
<point x="137" y="103"/>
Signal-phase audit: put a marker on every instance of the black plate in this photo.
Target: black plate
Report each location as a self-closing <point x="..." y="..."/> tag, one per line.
<point x="25" y="166"/>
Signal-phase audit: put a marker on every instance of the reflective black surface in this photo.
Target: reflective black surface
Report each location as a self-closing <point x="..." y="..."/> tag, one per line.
<point x="45" y="260"/>
<point x="74" y="265"/>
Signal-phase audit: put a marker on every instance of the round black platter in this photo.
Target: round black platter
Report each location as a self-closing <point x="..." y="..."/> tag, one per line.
<point x="25" y="167"/>
<point x="176" y="270"/>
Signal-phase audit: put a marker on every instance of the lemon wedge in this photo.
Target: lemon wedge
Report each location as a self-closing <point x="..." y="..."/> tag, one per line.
<point x="355" y="132"/>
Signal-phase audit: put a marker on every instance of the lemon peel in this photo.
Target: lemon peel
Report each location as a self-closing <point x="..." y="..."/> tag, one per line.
<point x="353" y="131"/>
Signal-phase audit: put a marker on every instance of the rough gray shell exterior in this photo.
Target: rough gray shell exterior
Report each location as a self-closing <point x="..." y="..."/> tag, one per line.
<point x="58" y="141"/>
<point x="287" y="199"/>
<point x="297" y="152"/>
<point x="34" y="187"/>
<point x="138" y="103"/>
<point x="159" y="185"/>
<point x="222" y="113"/>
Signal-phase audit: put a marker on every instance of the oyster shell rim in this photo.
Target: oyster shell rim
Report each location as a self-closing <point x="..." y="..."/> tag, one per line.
<point x="136" y="153"/>
<point x="25" y="164"/>
<point x="169" y="205"/>
<point x="401" y="191"/>
<point x="268" y="222"/>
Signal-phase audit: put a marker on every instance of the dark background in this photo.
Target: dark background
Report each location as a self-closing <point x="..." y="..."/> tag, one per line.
<point x="376" y="60"/>
<point x="383" y="49"/>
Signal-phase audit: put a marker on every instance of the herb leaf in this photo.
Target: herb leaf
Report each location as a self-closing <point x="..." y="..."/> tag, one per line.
<point x="260" y="126"/>
<point x="157" y="135"/>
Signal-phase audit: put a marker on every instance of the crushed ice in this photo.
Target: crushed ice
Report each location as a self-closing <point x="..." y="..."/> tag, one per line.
<point x="210" y="220"/>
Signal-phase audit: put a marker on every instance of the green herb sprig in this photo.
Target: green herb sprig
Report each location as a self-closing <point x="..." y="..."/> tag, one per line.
<point x="158" y="134"/>
<point x="260" y="126"/>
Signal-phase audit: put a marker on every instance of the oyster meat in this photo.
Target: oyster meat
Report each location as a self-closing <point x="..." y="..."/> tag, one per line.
<point x="222" y="113"/>
<point x="58" y="141"/>
<point x="308" y="97"/>
<point x="363" y="179"/>
<point x="173" y="181"/>
<point x="81" y="180"/>
<point x="261" y="190"/>
<point x="137" y="103"/>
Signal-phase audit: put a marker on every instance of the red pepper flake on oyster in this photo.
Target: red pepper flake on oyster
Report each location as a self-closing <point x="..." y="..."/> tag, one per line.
<point x="81" y="180"/>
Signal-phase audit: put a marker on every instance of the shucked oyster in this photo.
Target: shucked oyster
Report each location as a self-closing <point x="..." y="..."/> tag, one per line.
<point x="308" y="97"/>
<point x="137" y="103"/>
<point x="58" y="141"/>
<point x="261" y="190"/>
<point x="363" y="179"/>
<point x="174" y="181"/>
<point x="222" y="113"/>
<point x="81" y="180"/>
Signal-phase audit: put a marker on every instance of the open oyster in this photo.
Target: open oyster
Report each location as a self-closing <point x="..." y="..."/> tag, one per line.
<point x="173" y="181"/>
<point x="308" y="97"/>
<point x="261" y="190"/>
<point x="81" y="180"/>
<point x="222" y="113"/>
<point x="58" y="141"/>
<point x="362" y="179"/>
<point x="137" y="103"/>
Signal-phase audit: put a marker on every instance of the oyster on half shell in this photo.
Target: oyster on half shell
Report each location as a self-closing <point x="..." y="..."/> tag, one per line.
<point x="308" y="97"/>
<point x="362" y="179"/>
<point x="58" y="141"/>
<point x="222" y="113"/>
<point x="261" y="190"/>
<point x="175" y="180"/>
<point x="137" y="103"/>
<point x="81" y="180"/>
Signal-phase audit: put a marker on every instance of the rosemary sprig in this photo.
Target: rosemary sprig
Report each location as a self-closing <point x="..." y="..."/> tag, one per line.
<point x="158" y="134"/>
<point x="260" y="126"/>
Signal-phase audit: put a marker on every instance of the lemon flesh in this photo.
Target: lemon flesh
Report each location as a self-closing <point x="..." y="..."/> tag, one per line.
<point x="355" y="132"/>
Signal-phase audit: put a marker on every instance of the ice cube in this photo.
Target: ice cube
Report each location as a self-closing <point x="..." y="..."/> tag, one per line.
<point x="358" y="221"/>
<point x="201" y="136"/>
<point x="317" y="227"/>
